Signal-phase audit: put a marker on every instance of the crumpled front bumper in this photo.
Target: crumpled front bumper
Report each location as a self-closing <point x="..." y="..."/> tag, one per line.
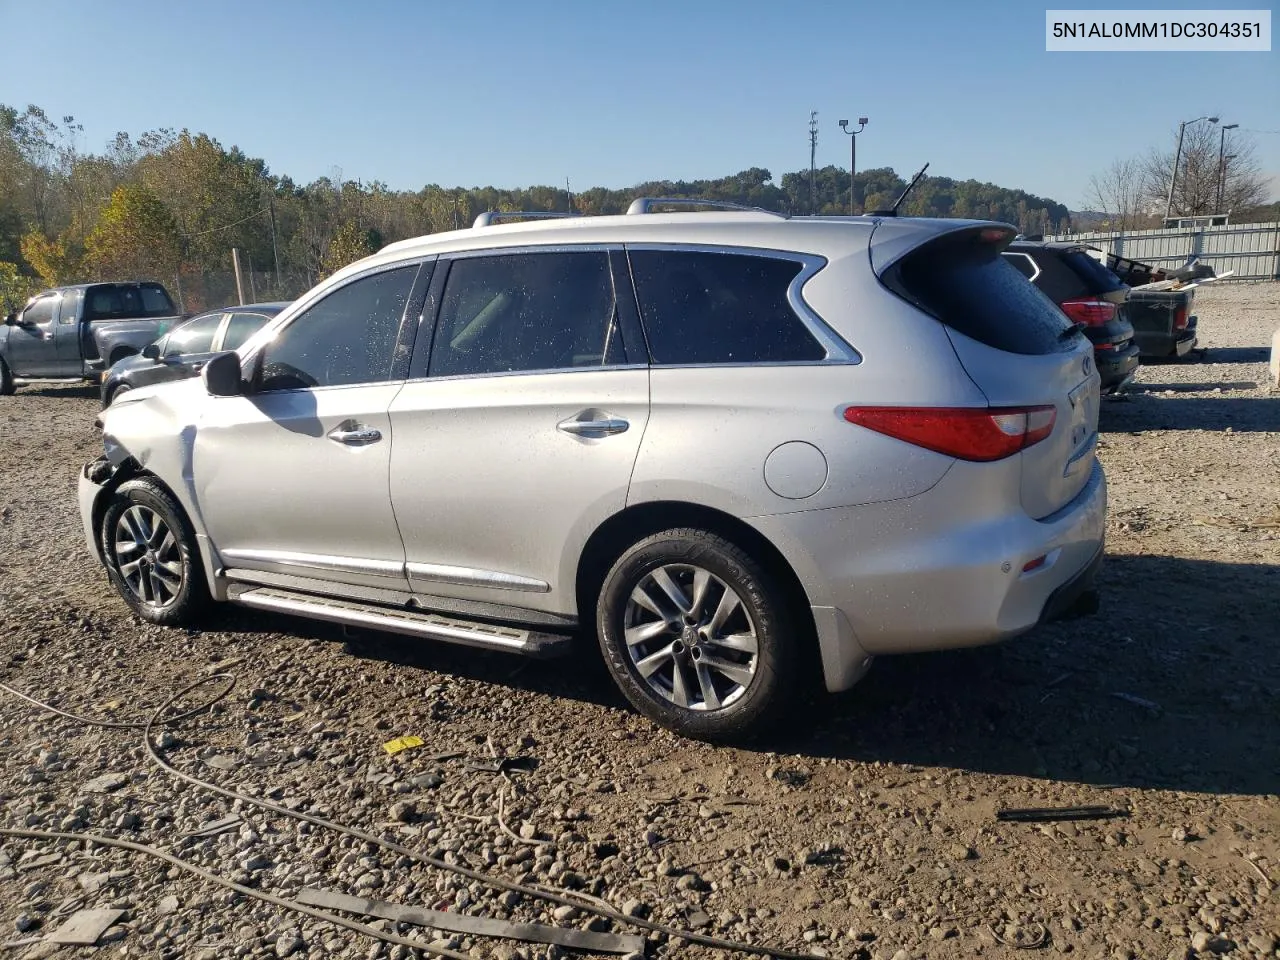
<point x="93" y="478"/>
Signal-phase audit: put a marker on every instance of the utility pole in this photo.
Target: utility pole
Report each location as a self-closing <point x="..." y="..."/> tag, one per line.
<point x="853" y="156"/>
<point x="275" y="251"/>
<point x="568" y="193"/>
<point x="1177" y="158"/>
<point x="235" y="261"/>
<point x="813" y="155"/>
<point x="1222" y="164"/>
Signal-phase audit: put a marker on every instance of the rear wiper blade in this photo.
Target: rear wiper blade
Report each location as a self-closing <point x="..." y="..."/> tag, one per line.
<point x="1071" y="331"/>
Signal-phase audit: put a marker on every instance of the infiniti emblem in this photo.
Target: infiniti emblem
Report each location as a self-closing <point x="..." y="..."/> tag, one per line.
<point x="1088" y="365"/>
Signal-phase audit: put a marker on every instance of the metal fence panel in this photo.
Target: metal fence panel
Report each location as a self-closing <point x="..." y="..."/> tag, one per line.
<point x="1252" y="250"/>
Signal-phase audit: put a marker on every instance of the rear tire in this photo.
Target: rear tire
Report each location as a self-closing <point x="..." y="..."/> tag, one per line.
<point x="151" y="555"/>
<point x="697" y="636"/>
<point x="7" y="386"/>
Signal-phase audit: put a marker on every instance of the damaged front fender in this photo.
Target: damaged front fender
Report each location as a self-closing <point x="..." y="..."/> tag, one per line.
<point x="154" y="436"/>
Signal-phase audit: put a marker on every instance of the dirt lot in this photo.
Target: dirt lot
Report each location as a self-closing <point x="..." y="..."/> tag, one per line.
<point x="870" y="833"/>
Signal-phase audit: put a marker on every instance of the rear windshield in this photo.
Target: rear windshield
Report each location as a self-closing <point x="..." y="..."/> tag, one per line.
<point x="110" y="301"/>
<point x="1097" y="275"/>
<point x="971" y="288"/>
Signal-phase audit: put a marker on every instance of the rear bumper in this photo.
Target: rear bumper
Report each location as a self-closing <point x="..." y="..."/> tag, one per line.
<point x="1078" y="596"/>
<point x="1177" y="343"/>
<point x="1186" y="343"/>
<point x="941" y="570"/>
<point x="1116" y="366"/>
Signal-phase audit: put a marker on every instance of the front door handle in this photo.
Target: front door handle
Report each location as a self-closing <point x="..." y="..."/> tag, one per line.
<point x="355" y="434"/>
<point x="603" y="426"/>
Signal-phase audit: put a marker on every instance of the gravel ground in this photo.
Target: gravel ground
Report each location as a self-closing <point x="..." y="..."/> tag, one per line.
<point x="870" y="832"/>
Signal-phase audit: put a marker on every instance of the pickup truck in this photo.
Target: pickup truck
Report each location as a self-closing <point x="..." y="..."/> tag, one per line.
<point x="1161" y="304"/>
<point x="77" y="332"/>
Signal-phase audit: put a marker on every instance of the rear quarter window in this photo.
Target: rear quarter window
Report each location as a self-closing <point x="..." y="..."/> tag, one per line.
<point x="724" y="308"/>
<point x="1098" y="276"/>
<point x="974" y="290"/>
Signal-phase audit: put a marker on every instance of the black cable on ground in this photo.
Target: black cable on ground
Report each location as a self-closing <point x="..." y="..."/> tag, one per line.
<point x="566" y="898"/>
<point x="154" y="720"/>
<point x="271" y="898"/>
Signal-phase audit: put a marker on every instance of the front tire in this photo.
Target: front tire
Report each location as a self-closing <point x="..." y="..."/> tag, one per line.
<point x="695" y="633"/>
<point x="151" y="554"/>
<point x="115" y="392"/>
<point x="7" y="386"/>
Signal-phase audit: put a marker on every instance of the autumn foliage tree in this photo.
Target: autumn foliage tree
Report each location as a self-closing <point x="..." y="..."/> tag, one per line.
<point x="348" y="245"/>
<point x="135" y="238"/>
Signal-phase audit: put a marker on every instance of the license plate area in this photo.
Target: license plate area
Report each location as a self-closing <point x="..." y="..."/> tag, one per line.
<point x="1084" y="401"/>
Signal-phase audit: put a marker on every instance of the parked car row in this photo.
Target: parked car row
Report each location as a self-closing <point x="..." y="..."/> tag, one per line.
<point x="730" y="447"/>
<point x="187" y="348"/>
<point x="76" y="332"/>
<point x="1129" y="310"/>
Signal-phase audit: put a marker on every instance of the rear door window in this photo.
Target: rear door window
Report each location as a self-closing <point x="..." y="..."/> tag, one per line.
<point x="527" y="311"/>
<point x="973" y="289"/>
<point x="722" y="308"/>
<point x="155" y="301"/>
<point x="240" y="328"/>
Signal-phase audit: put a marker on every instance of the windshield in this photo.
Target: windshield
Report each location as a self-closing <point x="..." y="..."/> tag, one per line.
<point x="117" y="301"/>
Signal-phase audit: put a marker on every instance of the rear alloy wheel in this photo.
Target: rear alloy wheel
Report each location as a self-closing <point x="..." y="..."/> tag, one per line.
<point x="7" y="386"/>
<point x="691" y="630"/>
<point x="151" y="554"/>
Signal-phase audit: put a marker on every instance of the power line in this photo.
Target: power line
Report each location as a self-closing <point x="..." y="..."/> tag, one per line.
<point x="225" y="226"/>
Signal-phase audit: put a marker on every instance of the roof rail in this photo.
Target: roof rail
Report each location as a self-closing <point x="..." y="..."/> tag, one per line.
<point x="646" y="204"/>
<point x="493" y="216"/>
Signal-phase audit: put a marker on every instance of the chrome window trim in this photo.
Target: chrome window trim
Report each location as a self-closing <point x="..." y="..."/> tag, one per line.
<point x="1034" y="266"/>
<point x="838" y="351"/>
<point x="473" y="577"/>
<point x="317" y="561"/>
<point x="508" y="250"/>
<point x="529" y="373"/>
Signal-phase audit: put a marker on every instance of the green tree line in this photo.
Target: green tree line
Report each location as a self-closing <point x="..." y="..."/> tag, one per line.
<point x="170" y="205"/>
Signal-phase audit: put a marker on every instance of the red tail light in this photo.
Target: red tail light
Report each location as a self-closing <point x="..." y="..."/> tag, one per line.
<point x="1092" y="313"/>
<point x="967" y="433"/>
<point x="1180" y="318"/>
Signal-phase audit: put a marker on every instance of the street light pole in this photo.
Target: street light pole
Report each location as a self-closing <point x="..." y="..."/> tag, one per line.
<point x="1177" y="157"/>
<point x="853" y="156"/>
<point x="1222" y="168"/>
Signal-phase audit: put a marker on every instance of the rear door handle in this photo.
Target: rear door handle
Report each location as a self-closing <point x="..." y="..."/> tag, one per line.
<point x="355" y="435"/>
<point x="593" y="429"/>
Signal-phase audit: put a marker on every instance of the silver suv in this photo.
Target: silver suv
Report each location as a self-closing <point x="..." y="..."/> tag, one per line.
<point x="729" y="445"/>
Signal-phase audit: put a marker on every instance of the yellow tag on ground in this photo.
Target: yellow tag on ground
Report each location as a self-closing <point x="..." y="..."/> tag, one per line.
<point x="401" y="743"/>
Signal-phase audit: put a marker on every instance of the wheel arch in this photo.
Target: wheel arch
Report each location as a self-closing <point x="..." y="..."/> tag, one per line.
<point x="609" y="540"/>
<point x="130" y="469"/>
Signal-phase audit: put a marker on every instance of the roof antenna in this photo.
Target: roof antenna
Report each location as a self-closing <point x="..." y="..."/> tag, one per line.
<point x="893" y="211"/>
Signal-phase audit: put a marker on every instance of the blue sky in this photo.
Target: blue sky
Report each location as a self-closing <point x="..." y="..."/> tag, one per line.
<point x="514" y="93"/>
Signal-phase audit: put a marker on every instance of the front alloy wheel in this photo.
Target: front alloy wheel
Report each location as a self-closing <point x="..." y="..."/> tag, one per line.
<point x="148" y="557"/>
<point x="151" y="554"/>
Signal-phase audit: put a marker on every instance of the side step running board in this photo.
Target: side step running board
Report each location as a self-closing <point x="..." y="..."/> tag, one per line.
<point x="415" y="623"/>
